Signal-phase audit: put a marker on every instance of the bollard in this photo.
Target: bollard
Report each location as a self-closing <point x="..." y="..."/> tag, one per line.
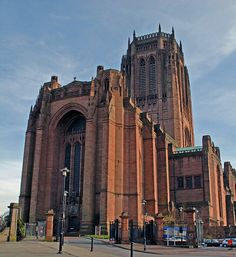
<point x="131" y="249"/>
<point x="91" y="249"/>
<point x="60" y="243"/>
<point x="144" y="234"/>
<point x="131" y="238"/>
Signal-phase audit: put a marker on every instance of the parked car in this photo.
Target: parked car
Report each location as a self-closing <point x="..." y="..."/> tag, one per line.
<point x="212" y="242"/>
<point x="225" y="243"/>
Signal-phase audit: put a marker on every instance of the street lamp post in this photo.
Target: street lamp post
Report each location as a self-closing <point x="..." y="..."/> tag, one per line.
<point x="199" y="228"/>
<point x="181" y="223"/>
<point x="144" y="225"/>
<point x="64" y="173"/>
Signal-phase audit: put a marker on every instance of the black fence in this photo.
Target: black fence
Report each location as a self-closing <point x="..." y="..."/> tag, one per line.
<point x="115" y="231"/>
<point x="136" y="234"/>
<point x="151" y="232"/>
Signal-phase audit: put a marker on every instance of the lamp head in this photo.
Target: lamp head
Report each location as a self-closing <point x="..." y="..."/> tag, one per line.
<point x="64" y="171"/>
<point x="144" y="202"/>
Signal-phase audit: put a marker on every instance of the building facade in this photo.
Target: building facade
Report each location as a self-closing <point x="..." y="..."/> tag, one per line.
<point x="126" y="136"/>
<point x="197" y="173"/>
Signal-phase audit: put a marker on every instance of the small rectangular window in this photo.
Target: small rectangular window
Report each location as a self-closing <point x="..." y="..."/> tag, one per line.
<point x="189" y="182"/>
<point x="180" y="182"/>
<point x="197" y="181"/>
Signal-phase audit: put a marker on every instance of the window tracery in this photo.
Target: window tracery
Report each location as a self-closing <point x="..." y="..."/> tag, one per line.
<point x="152" y="76"/>
<point x="142" y="77"/>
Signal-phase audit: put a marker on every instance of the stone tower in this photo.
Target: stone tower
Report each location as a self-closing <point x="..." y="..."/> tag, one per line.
<point x="158" y="82"/>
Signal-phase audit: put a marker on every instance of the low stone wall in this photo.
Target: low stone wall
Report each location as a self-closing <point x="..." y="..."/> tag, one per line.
<point x="220" y="231"/>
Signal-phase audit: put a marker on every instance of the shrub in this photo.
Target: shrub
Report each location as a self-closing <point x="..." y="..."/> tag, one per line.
<point x="169" y="220"/>
<point x="20" y="229"/>
<point x="99" y="237"/>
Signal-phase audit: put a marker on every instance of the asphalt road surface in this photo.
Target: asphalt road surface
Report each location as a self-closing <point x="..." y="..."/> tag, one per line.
<point x="101" y="247"/>
<point x="80" y="247"/>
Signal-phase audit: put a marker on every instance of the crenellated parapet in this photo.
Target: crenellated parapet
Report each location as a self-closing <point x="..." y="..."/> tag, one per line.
<point x="73" y="89"/>
<point x="156" y="40"/>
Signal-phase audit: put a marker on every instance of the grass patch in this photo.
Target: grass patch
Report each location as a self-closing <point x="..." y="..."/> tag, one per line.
<point x="99" y="237"/>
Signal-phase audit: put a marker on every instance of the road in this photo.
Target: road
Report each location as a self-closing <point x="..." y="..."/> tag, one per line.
<point x="80" y="247"/>
<point x="124" y="250"/>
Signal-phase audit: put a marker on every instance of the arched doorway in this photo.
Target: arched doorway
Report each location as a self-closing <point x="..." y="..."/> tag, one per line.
<point x="70" y="151"/>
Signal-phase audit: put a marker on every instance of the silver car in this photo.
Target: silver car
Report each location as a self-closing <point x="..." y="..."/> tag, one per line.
<point x="225" y="243"/>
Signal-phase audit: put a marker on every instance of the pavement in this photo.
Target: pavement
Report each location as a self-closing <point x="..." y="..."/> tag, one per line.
<point x="4" y="234"/>
<point x="80" y="247"/>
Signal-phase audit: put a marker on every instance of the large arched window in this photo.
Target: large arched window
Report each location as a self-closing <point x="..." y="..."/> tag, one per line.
<point x="152" y="76"/>
<point x="69" y="153"/>
<point x="142" y="78"/>
<point x="218" y="174"/>
<point x="67" y="165"/>
<point x="77" y="168"/>
<point x="106" y="84"/>
<point x="77" y="126"/>
<point x="74" y="131"/>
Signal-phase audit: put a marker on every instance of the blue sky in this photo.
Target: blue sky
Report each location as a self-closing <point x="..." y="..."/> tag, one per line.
<point x="40" y="38"/>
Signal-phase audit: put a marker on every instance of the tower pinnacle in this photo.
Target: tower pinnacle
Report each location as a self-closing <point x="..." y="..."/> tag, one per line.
<point x="173" y="32"/>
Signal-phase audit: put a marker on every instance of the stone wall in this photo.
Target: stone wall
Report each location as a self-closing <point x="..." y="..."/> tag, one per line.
<point x="220" y="232"/>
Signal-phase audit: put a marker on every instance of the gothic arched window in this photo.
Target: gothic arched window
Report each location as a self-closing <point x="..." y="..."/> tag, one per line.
<point x="77" y="166"/>
<point x="77" y="126"/>
<point x="142" y="78"/>
<point x="67" y="165"/>
<point x="218" y="174"/>
<point x="152" y="76"/>
<point x="75" y="131"/>
<point x="106" y="84"/>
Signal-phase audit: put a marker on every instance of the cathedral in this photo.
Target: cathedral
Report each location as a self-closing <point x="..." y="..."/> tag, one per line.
<point x="125" y="136"/>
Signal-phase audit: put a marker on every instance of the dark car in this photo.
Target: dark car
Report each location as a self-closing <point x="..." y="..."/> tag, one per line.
<point x="212" y="242"/>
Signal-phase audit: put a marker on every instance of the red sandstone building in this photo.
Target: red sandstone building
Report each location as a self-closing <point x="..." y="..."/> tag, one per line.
<point x="126" y="136"/>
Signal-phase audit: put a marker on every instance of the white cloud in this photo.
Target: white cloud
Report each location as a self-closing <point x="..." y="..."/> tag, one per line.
<point x="10" y="183"/>
<point x="33" y="64"/>
<point x="10" y="169"/>
<point x="219" y="105"/>
<point x="207" y="30"/>
<point x="229" y="45"/>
